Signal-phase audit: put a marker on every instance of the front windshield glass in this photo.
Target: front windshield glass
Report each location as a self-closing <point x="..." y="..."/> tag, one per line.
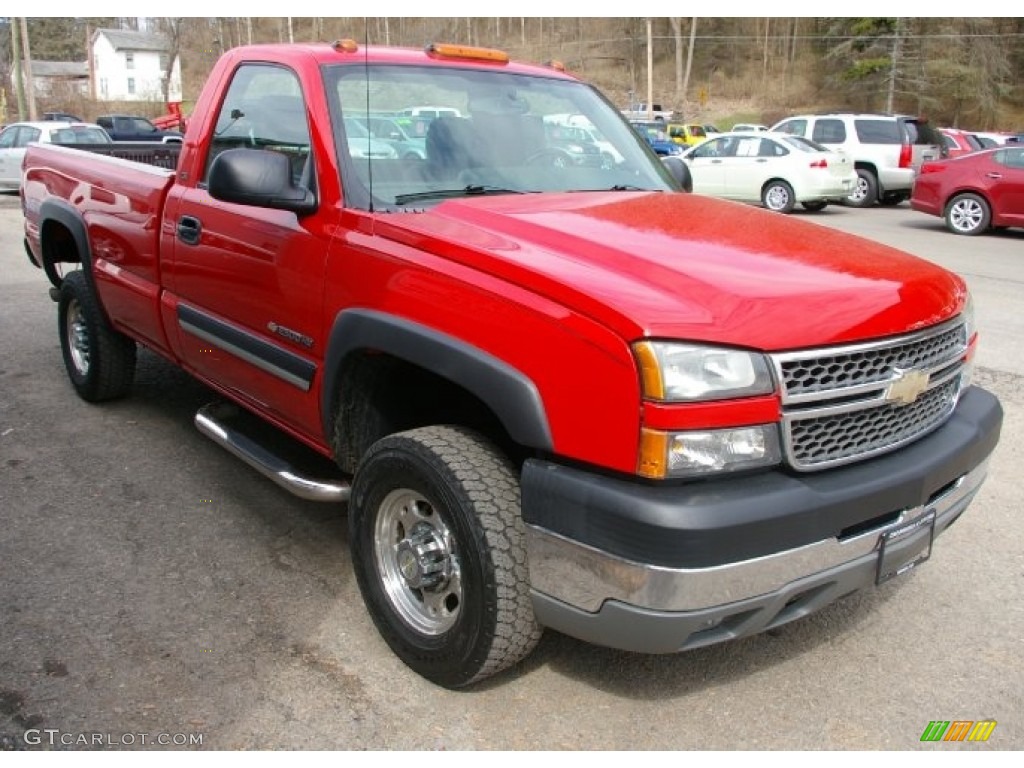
<point x="413" y="136"/>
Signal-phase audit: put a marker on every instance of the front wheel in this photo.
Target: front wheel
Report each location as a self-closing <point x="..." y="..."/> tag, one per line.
<point x="99" y="360"/>
<point x="968" y="214"/>
<point x="777" y="195"/>
<point x="438" y="547"/>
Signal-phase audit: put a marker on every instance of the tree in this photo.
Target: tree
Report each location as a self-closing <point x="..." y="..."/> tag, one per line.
<point x="170" y="29"/>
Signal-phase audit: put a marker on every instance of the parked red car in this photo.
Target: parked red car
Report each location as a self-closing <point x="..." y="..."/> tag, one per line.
<point x="958" y="142"/>
<point x="974" y="192"/>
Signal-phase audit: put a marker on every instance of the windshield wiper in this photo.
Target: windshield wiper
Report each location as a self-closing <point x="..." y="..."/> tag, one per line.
<point x="469" y="190"/>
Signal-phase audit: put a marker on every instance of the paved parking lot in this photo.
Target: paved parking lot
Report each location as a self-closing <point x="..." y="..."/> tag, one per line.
<point x="155" y="588"/>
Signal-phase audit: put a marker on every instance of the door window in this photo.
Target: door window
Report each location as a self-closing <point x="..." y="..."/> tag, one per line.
<point x="263" y="109"/>
<point x="829" y="131"/>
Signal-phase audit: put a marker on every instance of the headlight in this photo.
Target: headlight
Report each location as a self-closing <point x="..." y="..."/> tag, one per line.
<point x="968" y="316"/>
<point x="709" y="451"/>
<point x="970" y="331"/>
<point x="673" y="372"/>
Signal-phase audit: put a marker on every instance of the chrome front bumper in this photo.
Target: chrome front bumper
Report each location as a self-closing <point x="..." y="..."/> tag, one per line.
<point x="605" y="599"/>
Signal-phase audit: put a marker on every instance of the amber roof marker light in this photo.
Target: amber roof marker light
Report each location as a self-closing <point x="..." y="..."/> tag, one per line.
<point x="346" y="45"/>
<point x="450" y="51"/>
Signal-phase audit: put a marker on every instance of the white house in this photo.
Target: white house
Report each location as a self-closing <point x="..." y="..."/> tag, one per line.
<point x="130" y="66"/>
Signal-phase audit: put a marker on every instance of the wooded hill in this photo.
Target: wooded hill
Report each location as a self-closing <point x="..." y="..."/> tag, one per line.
<point x="960" y="72"/>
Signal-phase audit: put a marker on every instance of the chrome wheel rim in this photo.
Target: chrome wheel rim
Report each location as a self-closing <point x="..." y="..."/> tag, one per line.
<point x="860" y="190"/>
<point x="78" y="338"/>
<point x="777" y="198"/>
<point x="966" y="215"/>
<point x="417" y="562"/>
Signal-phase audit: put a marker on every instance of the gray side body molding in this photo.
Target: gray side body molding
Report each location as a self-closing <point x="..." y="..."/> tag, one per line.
<point x="506" y="391"/>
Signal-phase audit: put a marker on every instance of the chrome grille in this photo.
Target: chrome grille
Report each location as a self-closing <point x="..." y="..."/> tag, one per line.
<point x="828" y="372"/>
<point x="840" y="404"/>
<point x="856" y="434"/>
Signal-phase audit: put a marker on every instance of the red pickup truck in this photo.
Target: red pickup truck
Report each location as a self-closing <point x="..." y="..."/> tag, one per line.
<point x="557" y="393"/>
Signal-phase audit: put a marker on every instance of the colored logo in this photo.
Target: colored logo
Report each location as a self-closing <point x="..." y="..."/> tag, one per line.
<point x="958" y="730"/>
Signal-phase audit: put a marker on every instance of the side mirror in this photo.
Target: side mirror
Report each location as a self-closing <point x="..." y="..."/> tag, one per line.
<point x="679" y="172"/>
<point x="258" y="177"/>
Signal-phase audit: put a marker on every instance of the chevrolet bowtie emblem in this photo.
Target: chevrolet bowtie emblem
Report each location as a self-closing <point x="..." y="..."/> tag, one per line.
<point x="906" y="387"/>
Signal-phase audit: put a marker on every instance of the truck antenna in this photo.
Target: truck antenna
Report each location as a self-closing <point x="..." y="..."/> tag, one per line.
<point x="369" y="131"/>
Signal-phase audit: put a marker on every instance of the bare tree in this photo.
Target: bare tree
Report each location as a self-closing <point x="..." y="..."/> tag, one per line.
<point x="170" y="29"/>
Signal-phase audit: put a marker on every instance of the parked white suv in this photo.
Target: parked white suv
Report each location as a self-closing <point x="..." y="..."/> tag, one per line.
<point x="887" y="150"/>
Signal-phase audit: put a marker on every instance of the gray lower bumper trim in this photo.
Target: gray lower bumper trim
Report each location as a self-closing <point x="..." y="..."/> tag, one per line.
<point x="594" y="596"/>
<point x="631" y="628"/>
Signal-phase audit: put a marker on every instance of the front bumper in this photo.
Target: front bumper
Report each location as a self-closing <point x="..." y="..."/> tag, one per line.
<point x="660" y="569"/>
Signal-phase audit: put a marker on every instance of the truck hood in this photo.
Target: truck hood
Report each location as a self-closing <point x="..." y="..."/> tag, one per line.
<point x="656" y="264"/>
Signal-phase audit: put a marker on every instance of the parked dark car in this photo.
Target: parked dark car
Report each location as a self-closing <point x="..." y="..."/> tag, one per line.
<point x="655" y="133"/>
<point x="62" y="116"/>
<point x="133" y="128"/>
<point x="975" y="191"/>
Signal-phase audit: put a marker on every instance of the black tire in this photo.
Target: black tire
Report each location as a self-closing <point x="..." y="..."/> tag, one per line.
<point x="99" y="360"/>
<point x="968" y="214"/>
<point x="892" y="198"/>
<point x="865" y="192"/>
<point x="777" y="195"/>
<point x="439" y="552"/>
<point x="815" y="205"/>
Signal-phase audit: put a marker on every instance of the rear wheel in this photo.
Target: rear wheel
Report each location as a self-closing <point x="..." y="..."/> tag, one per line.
<point x="892" y="198"/>
<point x="968" y="214"/>
<point x="438" y="547"/>
<point x="99" y="360"/>
<point x="815" y="205"/>
<point x="777" y="195"/>
<point x="865" y="191"/>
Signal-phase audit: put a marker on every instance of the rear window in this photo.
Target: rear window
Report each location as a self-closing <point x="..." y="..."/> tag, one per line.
<point x="878" y="131"/>
<point x="79" y="135"/>
<point x="804" y="145"/>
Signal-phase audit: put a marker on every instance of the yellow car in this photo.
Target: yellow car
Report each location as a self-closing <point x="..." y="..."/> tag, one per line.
<point x="687" y="135"/>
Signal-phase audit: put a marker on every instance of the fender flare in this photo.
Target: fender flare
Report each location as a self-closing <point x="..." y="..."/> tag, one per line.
<point x="65" y="214"/>
<point x="509" y="393"/>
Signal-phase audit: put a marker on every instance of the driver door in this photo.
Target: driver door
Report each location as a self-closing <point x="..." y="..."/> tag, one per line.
<point x="248" y="281"/>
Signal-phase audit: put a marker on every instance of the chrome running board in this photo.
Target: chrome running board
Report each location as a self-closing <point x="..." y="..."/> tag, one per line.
<point x="212" y="420"/>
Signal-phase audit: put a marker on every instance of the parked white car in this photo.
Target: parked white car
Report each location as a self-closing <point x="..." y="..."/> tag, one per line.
<point x="749" y="128"/>
<point x="17" y="136"/>
<point x="774" y="169"/>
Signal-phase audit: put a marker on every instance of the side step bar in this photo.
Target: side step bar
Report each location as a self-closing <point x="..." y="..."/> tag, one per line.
<point x="212" y="421"/>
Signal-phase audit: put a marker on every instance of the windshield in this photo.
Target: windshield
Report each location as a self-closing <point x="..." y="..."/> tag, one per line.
<point x="467" y="132"/>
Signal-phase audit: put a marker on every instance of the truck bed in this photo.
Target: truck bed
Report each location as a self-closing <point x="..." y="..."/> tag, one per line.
<point x="118" y="194"/>
<point x="150" y="153"/>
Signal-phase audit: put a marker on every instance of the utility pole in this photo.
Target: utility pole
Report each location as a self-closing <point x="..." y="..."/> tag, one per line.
<point x="650" y="69"/>
<point x="19" y="81"/>
<point x="30" y="83"/>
